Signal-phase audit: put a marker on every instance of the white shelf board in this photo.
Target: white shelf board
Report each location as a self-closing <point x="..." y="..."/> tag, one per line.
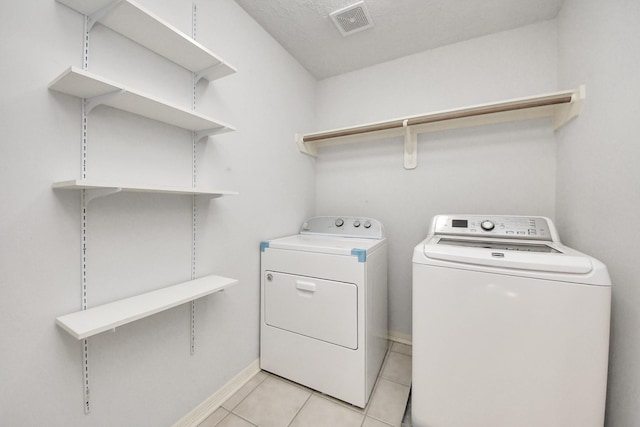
<point x="83" y="324"/>
<point x="560" y="107"/>
<point x="83" y="84"/>
<point x="143" y="27"/>
<point x="89" y="184"/>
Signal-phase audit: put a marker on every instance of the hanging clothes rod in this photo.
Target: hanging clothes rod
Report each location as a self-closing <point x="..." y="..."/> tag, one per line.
<point x="560" y="107"/>
<point x="438" y="117"/>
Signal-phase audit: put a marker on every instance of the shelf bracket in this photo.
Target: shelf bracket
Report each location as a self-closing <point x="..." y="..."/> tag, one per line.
<point x="572" y="110"/>
<point x="209" y="132"/>
<point x="305" y="148"/>
<point x="99" y="14"/>
<point x="91" y="194"/>
<point x="200" y="74"/>
<point x="410" y="146"/>
<point x="94" y="101"/>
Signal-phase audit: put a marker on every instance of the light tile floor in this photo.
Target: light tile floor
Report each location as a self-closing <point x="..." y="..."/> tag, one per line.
<point x="267" y="400"/>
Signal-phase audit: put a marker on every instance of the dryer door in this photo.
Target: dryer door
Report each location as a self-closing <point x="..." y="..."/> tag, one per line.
<point x="325" y="310"/>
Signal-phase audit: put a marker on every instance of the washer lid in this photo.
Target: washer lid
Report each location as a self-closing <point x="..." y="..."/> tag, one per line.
<point x="505" y="245"/>
<point x="558" y="259"/>
<point x="324" y="244"/>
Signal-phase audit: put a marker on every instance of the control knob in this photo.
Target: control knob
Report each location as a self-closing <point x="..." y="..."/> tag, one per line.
<point x="356" y="223"/>
<point x="367" y="224"/>
<point x="339" y="222"/>
<point x="487" y="225"/>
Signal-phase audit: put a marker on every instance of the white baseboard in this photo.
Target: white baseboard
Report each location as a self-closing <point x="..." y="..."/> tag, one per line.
<point x="213" y="402"/>
<point x="400" y="337"/>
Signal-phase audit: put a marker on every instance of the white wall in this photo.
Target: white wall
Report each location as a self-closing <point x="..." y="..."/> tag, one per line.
<point x="598" y="184"/>
<point x="506" y="168"/>
<point x="142" y="374"/>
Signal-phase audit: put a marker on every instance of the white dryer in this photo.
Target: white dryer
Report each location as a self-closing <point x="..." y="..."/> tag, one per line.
<point x="324" y="306"/>
<point x="510" y="327"/>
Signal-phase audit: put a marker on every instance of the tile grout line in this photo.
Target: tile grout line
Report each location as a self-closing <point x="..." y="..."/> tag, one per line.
<point x="241" y="417"/>
<point x="382" y="368"/>
<point x="396" y="382"/>
<point x="375" y="386"/>
<point x="250" y="422"/>
<point x="385" y="363"/>
<point x="300" y="410"/>
<point x="233" y="413"/>
<point x="232" y="410"/>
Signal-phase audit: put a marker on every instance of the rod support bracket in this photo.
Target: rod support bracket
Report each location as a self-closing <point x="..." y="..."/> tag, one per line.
<point x="308" y="149"/>
<point x="410" y="146"/>
<point x="572" y="110"/>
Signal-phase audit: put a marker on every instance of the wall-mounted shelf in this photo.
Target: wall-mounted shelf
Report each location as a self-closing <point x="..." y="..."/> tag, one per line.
<point x="560" y="107"/>
<point x="100" y="91"/>
<point x="100" y="188"/>
<point x="139" y="25"/>
<point x="143" y="27"/>
<point x="86" y="323"/>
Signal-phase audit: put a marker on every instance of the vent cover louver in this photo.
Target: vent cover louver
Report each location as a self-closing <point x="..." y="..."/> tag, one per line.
<point x="352" y="19"/>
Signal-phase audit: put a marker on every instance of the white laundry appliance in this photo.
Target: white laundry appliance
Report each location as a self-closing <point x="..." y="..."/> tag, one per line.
<point x="510" y="327"/>
<point x="324" y="306"/>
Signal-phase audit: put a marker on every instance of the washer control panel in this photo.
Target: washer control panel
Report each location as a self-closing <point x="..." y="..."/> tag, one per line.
<point x="497" y="226"/>
<point x="344" y="226"/>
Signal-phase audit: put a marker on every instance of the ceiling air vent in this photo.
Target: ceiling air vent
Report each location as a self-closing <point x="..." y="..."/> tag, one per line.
<point x="352" y="19"/>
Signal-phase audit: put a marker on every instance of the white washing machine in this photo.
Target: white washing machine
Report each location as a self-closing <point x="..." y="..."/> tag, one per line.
<point x="510" y="327"/>
<point x="324" y="306"/>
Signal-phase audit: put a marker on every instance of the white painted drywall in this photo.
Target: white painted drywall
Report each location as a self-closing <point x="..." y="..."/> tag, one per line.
<point x="598" y="178"/>
<point x="506" y="169"/>
<point x="141" y="374"/>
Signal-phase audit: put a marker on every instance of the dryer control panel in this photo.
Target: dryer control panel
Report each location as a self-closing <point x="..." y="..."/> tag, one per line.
<point x="344" y="226"/>
<point x="495" y="226"/>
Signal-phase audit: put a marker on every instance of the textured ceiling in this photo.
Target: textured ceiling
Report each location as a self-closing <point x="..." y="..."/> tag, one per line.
<point x="402" y="27"/>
